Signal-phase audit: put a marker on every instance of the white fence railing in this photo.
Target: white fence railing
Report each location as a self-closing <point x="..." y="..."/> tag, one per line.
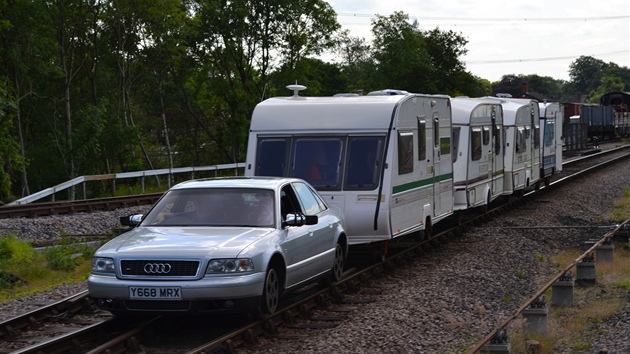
<point x="114" y="176"/>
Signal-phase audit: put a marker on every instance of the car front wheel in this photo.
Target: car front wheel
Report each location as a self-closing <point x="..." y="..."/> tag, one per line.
<point x="271" y="292"/>
<point x="337" y="269"/>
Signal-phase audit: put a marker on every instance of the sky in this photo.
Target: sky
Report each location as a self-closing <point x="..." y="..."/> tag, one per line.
<point x="511" y="37"/>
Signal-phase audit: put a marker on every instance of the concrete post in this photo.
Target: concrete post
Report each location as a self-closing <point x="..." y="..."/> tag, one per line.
<point x="498" y="345"/>
<point x="562" y="290"/>
<point x="605" y="252"/>
<point x="586" y="270"/>
<point x="536" y="317"/>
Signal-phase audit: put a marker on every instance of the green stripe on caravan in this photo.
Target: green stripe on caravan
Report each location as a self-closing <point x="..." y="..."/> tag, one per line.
<point x="417" y="184"/>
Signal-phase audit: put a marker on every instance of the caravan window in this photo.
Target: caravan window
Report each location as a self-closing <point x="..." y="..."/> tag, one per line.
<point x="405" y="152"/>
<point x="456" y="134"/>
<point x="527" y="132"/>
<point x="486" y="135"/>
<point x="550" y="130"/>
<point x="422" y="140"/>
<point x="271" y="157"/>
<point x="318" y="161"/>
<point x="521" y="141"/>
<point x="497" y="139"/>
<point x="536" y="136"/>
<point x="363" y="163"/>
<point x="475" y="144"/>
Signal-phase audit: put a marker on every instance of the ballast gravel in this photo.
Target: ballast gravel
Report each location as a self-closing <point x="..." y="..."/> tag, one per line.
<point x="443" y="302"/>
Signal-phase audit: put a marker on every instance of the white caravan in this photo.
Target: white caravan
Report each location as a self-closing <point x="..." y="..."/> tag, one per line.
<point x="477" y="149"/>
<point x="551" y="117"/>
<point x="521" y="124"/>
<point x="383" y="160"/>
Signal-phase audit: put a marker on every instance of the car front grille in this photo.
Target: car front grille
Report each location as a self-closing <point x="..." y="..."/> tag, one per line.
<point x="160" y="268"/>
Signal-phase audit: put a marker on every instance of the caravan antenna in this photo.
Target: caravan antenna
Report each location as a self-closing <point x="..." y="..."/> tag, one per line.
<point x="296" y="89"/>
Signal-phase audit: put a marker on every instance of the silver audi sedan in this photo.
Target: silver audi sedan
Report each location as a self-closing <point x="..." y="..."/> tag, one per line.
<point x="220" y="245"/>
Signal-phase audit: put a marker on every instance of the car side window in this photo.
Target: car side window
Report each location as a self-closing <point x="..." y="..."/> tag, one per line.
<point x="310" y="201"/>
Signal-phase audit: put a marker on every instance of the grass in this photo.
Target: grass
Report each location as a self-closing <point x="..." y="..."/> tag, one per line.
<point x="25" y="271"/>
<point x="622" y="208"/>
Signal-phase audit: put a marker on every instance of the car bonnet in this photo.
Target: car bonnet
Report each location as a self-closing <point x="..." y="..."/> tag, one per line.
<point x="182" y="242"/>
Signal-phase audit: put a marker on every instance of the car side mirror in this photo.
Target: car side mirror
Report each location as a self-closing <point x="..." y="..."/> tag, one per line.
<point x="131" y="220"/>
<point x="311" y="219"/>
<point x="298" y="219"/>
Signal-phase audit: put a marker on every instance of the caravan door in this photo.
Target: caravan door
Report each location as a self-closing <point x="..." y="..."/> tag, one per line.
<point x="437" y="205"/>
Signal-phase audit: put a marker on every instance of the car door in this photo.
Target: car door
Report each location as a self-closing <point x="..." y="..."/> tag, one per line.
<point x="323" y="233"/>
<point x="300" y="247"/>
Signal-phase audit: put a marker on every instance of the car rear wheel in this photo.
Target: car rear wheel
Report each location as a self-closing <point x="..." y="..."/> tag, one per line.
<point x="271" y="292"/>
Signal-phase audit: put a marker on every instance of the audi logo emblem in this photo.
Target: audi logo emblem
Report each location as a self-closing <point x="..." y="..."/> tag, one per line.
<point x="157" y="268"/>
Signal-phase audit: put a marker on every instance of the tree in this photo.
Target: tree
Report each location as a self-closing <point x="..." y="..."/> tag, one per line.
<point x="356" y="64"/>
<point x="319" y="77"/>
<point x="402" y="59"/>
<point x="310" y="29"/>
<point x="610" y="83"/>
<point x="586" y="73"/>
<point x="544" y="85"/>
<point x="9" y="151"/>
<point x="240" y="39"/>
<point x="511" y="84"/>
<point x="445" y="49"/>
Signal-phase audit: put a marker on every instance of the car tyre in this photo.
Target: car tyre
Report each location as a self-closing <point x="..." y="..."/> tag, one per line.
<point x="337" y="268"/>
<point x="271" y="293"/>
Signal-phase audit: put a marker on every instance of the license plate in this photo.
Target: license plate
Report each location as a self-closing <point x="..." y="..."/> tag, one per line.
<point x="155" y="293"/>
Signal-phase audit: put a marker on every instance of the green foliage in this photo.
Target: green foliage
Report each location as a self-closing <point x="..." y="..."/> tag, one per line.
<point x="68" y="254"/>
<point x="401" y="54"/>
<point x="586" y="73"/>
<point x="24" y="270"/>
<point x="9" y="152"/>
<point x="15" y="252"/>
<point x="621" y="210"/>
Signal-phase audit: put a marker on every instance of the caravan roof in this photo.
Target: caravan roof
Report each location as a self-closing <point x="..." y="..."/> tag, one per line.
<point x="317" y="113"/>
<point x="465" y="109"/>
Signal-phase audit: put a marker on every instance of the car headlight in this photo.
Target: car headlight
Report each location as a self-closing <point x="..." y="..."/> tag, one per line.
<point x="103" y="265"/>
<point x="230" y="266"/>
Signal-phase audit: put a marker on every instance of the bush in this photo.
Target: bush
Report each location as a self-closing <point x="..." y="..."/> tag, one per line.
<point x="14" y="251"/>
<point x="67" y="256"/>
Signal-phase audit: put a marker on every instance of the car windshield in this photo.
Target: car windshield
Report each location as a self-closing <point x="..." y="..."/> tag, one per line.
<point x="213" y="207"/>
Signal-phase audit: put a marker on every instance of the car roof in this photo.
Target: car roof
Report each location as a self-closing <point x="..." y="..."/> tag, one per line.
<point x="236" y="182"/>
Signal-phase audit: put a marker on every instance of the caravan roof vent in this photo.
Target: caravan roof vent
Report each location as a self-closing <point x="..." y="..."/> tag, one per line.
<point x="388" y="92"/>
<point x="296" y="89"/>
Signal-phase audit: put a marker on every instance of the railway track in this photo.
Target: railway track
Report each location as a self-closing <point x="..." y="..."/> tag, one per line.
<point x="69" y="207"/>
<point x="311" y="308"/>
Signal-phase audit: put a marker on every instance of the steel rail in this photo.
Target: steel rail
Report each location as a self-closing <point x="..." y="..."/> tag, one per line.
<point x="71" y="304"/>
